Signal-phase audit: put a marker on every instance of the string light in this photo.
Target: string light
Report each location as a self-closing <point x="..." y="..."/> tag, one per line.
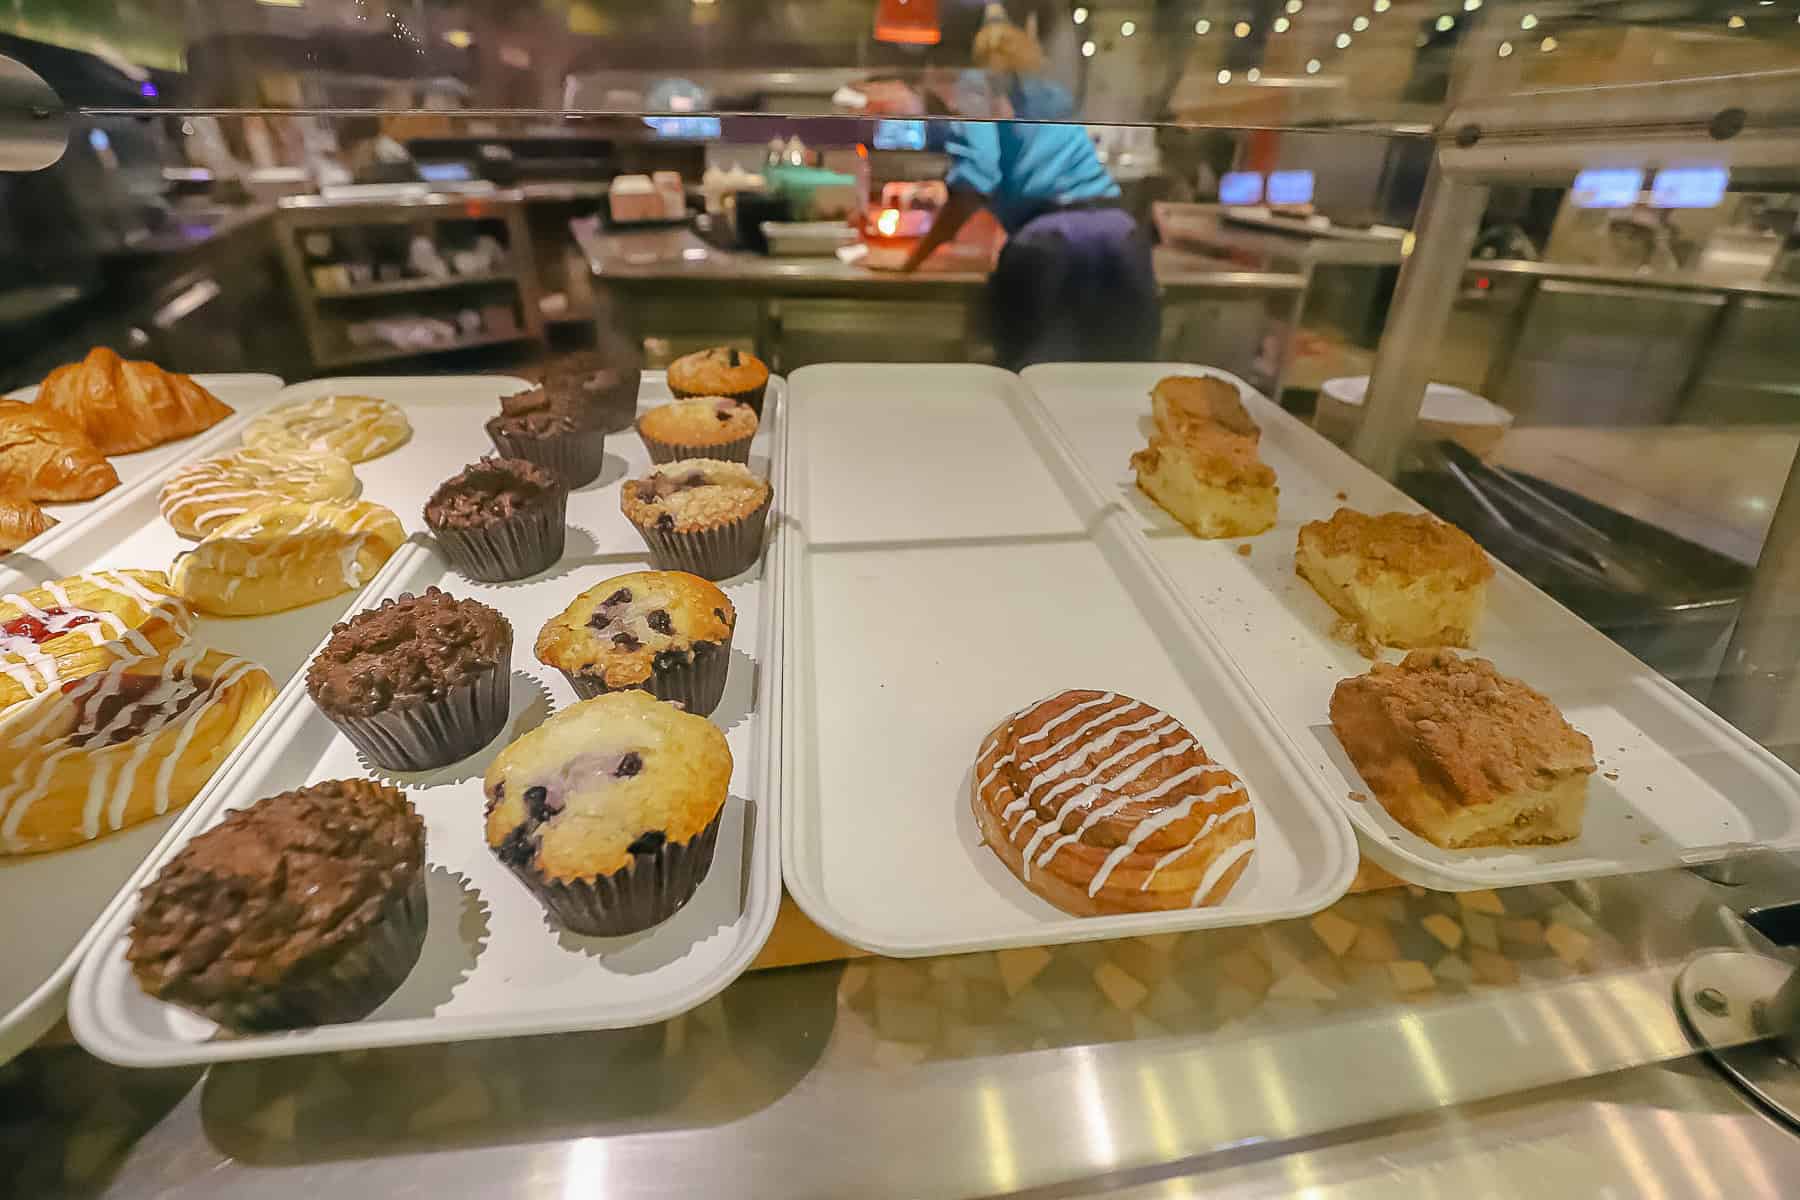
<point x="1127" y="29"/>
<point x="1360" y="24"/>
<point x="1505" y="49"/>
<point x="1528" y="21"/>
<point x="1471" y="5"/>
<point x="1253" y="74"/>
<point x="1547" y="45"/>
<point x="1241" y="29"/>
<point x="1382" y="6"/>
<point x="1343" y="41"/>
<point x="1281" y="24"/>
<point x="1087" y="49"/>
<point x="1312" y="66"/>
<point x="1445" y="22"/>
<point x="1224" y="76"/>
<point x="1081" y="16"/>
<point x="1736" y="22"/>
<point x="1202" y="27"/>
<point x="1294" y="7"/>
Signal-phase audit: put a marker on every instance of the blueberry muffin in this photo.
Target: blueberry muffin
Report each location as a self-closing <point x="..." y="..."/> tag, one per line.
<point x="666" y="632"/>
<point x="700" y="515"/>
<point x="722" y="371"/>
<point x="601" y="384"/>
<point x="499" y="519"/>
<point x="609" y="811"/>
<point x="307" y="908"/>
<point x="535" y="427"/>
<point x="709" y="427"/>
<point x="418" y="682"/>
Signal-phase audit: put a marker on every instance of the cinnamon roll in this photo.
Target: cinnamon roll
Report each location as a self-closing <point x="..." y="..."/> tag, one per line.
<point x="1102" y="804"/>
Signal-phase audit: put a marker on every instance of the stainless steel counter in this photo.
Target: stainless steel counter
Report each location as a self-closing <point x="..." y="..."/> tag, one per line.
<point x="1668" y="280"/>
<point x="1376" y="1028"/>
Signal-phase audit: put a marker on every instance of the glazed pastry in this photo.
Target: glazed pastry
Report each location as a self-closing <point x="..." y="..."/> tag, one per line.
<point x="125" y="406"/>
<point x="121" y="746"/>
<point x="709" y="427"/>
<point x="285" y="555"/>
<point x="500" y="519"/>
<point x="664" y="631"/>
<point x="357" y="427"/>
<point x="45" y="457"/>
<point x="418" y="682"/>
<point x="723" y="371"/>
<point x="204" y="495"/>
<point x="324" y="888"/>
<point x="20" y="521"/>
<point x="1462" y="755"/>
<point x="53" y="635"/>
<point x="1399" y="579"/>
<point x="700" y="515"/>
<point x="1102" y="804"/>
<point x="609" y="811"/>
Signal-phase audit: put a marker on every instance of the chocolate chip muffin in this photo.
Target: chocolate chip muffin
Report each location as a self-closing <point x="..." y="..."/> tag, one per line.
<point x="418" y="682"/>
<point x="499" y="519"/>
<point x="722" y="371"/>
<point x="609" y="811"/>
<point x="700" y="515"/>
<point x="535" y="427"/>
<point x="307" y="908"/>
<point x="709" y="427"/>
<point x="602" y="384"/>
<point x="666" y="632"/>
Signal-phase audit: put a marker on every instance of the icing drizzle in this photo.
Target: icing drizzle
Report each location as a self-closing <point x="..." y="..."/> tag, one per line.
<point x="1115" y="762"/>
<point x="31" y="644"/>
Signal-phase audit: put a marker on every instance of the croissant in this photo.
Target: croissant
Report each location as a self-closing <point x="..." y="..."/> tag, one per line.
<point x="122" y="746"/>
<point x="20" y="521"/>
<point x="45" y="457"/>
<point x="1102" y="804"/>
<point x="127" y="406"/>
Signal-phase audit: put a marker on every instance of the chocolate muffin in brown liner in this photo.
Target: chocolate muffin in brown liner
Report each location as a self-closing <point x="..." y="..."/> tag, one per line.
<point x="601" y="384"/>
<point x="534" y="427"/>
<point x="417" y="683"/>
<point x="500" y="519"/>
<point x="307" y="908"/>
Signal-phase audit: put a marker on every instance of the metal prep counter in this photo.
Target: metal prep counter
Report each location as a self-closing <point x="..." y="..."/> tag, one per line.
<point x="795" y="311"/>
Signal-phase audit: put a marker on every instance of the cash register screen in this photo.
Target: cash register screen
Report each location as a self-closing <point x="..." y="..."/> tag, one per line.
<point x="1688" y="187"/>
<point x="1240" y="187"/>
<point x="1607" y="187"/>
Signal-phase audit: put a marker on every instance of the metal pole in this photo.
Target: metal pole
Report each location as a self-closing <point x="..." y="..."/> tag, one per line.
<point x="1449" y="220"/>
<point x="1756" y="681"/>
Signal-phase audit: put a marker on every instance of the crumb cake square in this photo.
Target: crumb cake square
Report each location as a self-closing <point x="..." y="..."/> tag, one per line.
<point x="1212" y="483"/>
<point x="1462" y="755"/>
<point x="1405" y="579"/>
<point x="1181" y="402"/>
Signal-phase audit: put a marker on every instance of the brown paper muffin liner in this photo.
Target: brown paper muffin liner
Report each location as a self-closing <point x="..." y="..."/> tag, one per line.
<point x="346" y="985"/>
<point x="575" y="457"/>
<point x="421" y="737"/>
<point x="645" y="893"/>
<point x="717" y="553"/>
<point x="512" y="548"/>
<point x="753" y="397"/>
<point x="697" y="686"/>
<point x="668" y="452"/>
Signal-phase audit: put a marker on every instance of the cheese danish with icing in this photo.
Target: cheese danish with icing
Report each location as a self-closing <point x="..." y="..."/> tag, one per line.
<point x="1102" y="804"/>
<point x="204" y="495"/>
<point x="285" y="555"/>
<point x="122" y="746"/>
<point x="57" y="633"/>
<point x="357" y="427"/>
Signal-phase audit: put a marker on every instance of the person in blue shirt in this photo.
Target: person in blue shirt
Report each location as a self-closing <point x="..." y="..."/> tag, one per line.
<point x="1074" y="281"/>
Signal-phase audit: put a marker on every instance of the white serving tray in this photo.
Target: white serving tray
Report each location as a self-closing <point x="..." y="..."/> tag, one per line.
<point x="49" y="902"/>
<point x="493" y="966"/>
<point x="1677" y="785"/>
<point x="249" y="394"/>
<point x="946" y="566"/>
